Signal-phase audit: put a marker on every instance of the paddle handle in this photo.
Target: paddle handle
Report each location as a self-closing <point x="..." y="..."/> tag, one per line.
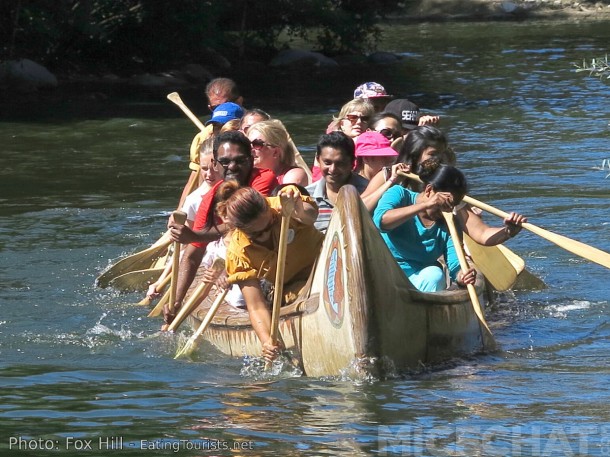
<point x="278" y="294"/>
<point x="190" y="344"/>
<point x="200" y="293"/>
<point x="476" y="305"/>
<point x="298" y="158"/>
<point x="175" y="98"/>
<point x="158" y="309"/>
<point x="575" y="247"/>
<point x="210" y="314"/>
<point x="159" y="288"/>
<point x="179" y="218"/>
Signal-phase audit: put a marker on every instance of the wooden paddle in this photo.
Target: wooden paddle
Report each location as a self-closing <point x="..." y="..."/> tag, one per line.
<point x="298" y="158"/>
<point x="190" y="345"/>
<point x="175" y="98"/>
<point x="202" y="291"/>
<point x="476" y="305"/>
<point x="575" y="247"/>
<point x="158" y="309"/>
<point x="179" y="218"/>
<point x="278" y="294"/>
<point x="494" y="264"/>
<point x="146" y="301"/>
<point x="525" y="279"/>
<point x="135" y="281"/>
<point x="138" y="261"/>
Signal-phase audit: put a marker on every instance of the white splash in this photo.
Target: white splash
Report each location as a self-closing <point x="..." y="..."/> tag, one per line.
<point x="563" y="310"/>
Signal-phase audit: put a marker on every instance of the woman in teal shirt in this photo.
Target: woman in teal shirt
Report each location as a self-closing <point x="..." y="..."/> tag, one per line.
<point x="413" y="227"/>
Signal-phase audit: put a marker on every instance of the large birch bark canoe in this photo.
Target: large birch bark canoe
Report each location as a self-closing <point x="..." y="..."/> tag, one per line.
<point x="359" y="311"/>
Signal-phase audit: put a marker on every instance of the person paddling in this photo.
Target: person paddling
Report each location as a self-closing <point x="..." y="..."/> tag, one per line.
<point x="231" y="152"/>
<point x="413" y="227"/>
<point x="251" y="257"/>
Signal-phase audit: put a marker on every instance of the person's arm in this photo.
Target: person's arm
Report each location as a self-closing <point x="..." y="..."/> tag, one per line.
<point x="393" y="217"/>
<point x="191" y="259"/>
<point x="485" y="235"/>
<point x="260" y="317"/>
<point x="186" y="235"/>
<point x="428" y="119"/>
<point x="378" y="185"/>
<point x="154" y="289"/>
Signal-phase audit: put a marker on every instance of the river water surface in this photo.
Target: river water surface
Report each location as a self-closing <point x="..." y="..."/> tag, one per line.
<point x="82" y="367"/>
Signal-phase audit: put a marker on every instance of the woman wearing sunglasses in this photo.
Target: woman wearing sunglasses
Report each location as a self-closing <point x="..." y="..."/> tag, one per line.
<point x="353" y="120"/>
<point x="271" y="149"/>
<point x="354" y="117"/>
<point x="251" y="257"/>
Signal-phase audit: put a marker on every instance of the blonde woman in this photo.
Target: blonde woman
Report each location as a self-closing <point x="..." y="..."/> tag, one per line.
<point x="272" y="149"/>
<point x="354" y="117"/>
<point x="353" y="120"/>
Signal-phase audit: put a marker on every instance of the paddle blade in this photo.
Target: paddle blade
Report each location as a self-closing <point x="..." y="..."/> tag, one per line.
<point x="139" y="261"/>
<point x="188" y="349"/>
<point x="135" y="281"/>
<point x="190" y="345"/>
<point x="496" y="267"/>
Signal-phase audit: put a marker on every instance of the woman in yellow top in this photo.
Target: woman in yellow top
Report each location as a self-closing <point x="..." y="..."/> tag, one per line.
<point x="251" y="258"/>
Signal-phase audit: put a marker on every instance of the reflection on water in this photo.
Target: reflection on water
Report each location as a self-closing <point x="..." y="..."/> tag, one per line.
<point x="81" y="362"/>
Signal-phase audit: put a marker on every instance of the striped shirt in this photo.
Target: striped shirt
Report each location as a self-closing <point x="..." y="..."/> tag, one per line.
<point x="325" y="208"/>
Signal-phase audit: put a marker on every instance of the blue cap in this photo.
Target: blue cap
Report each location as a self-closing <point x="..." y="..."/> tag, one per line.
<point x="226" y="112"/>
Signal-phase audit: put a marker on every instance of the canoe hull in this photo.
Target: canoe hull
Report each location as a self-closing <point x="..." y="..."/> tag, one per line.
<point x="359" y="312"/>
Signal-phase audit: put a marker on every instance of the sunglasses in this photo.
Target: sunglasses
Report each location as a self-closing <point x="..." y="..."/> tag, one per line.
<point x="225" y="162"/>
<point x="389" y="133"/>
<point x="353" y="118"/>
<point x="259" y="144"/>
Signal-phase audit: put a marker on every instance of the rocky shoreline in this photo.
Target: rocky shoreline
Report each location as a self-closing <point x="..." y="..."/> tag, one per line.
<point x="507" y="10"/>
<point x="36" y="84"/>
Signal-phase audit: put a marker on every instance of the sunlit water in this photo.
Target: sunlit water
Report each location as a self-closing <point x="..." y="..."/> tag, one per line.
<point x="83" y="367"/>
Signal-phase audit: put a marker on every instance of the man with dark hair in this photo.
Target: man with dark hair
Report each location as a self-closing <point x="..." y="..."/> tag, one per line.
<point x="335" y="152"/>
<point x="232" y="151"/>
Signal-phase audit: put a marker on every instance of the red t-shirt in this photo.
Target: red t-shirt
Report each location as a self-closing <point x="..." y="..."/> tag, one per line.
<point x="262" y="180"/>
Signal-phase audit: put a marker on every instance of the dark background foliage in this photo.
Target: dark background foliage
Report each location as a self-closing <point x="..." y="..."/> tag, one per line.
<point x="150" y="35"/>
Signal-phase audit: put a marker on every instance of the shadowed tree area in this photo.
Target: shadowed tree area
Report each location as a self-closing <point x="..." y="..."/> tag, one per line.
<point x="106" y="35"/>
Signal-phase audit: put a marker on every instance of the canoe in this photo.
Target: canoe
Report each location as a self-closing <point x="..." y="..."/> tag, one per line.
<point x="359" y="313"/>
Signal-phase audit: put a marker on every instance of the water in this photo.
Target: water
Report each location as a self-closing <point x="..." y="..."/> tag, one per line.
<point x="83" y="367"/>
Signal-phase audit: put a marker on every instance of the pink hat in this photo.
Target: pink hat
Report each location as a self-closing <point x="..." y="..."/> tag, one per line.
<point x="373" y="144"/>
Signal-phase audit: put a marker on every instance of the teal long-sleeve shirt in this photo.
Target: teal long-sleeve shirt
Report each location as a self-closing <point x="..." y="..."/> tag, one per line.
<point x="414" y="246"/>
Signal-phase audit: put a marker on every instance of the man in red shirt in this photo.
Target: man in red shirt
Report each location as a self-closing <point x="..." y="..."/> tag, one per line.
<point x="232" y="150"/>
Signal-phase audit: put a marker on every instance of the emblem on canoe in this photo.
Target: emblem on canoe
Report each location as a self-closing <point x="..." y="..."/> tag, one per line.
<point x="334" y="291"/>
